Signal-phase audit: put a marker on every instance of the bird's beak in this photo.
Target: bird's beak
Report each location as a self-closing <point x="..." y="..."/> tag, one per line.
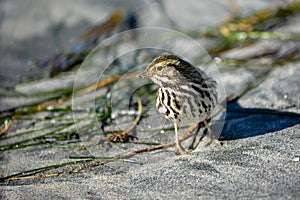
<point x="144" y="74"/>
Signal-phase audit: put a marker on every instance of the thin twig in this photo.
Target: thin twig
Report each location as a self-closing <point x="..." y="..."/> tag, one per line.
<point x="133" y="153"/>
<point x="105" y="82"/>
<point x="7" y="125"/>
<point x="43" y="106"/>
<point x="32" y="177"/>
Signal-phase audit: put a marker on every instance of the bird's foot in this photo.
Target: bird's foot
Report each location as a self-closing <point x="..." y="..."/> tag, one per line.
<point x="217" y="142"/>
<point x="180" y="150"/>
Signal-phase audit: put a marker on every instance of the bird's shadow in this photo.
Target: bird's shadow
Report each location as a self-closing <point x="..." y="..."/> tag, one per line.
<point x="249" y="122"/>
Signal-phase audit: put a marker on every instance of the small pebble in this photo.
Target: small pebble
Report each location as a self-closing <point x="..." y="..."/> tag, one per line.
<point x="296" y="159"/>
<point x="50" y="107"/>
<point x="217" y="60"/>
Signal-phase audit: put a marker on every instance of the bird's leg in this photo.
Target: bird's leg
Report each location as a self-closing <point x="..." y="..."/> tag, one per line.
<point x="195" y="144"/>
<point x="210" y="134"/>
<point x="179" y="149"/>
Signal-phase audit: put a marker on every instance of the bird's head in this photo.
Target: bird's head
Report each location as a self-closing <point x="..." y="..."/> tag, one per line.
<point x="163" y="69"/>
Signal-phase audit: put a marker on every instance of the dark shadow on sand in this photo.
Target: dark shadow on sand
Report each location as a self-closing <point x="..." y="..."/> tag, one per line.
<point x="249" y="122"/>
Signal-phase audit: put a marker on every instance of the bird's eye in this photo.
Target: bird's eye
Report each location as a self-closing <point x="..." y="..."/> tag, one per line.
<point x="159" y="68"/>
